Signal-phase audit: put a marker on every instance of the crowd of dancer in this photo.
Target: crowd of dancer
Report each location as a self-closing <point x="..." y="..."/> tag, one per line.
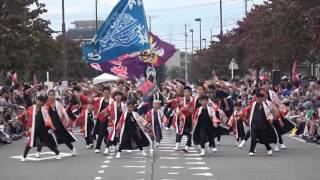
<point x="126" y="118"/>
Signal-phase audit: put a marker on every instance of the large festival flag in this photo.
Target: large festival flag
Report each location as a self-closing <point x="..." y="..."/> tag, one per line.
<point x="134" y="65"/>
<point x="125" y="31"/>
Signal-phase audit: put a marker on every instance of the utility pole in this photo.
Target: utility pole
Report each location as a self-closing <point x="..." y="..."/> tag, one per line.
<point x="221" y="28"/>
<point x="170" y="35"/>
<point x="185" y="53"/>
<point x="199" y="20"/>
<point x="96" y="15"/>
<point x="150" y="17"/>
<point x="191" y="30"/>
<point x="246" y="6"/>
<point x="205" y="43"/>
<point x="210" y="35"/>
<point x="64" y="45"/>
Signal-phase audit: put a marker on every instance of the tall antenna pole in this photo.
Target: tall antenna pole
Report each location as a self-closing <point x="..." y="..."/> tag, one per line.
<point x="64" y="45"/>
<point x="185" y="53"/>
<point x="221" y="28"/>
<point x="96" y="3"/>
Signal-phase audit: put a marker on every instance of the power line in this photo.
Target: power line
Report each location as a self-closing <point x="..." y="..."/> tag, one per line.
<point x="190" y="6"/>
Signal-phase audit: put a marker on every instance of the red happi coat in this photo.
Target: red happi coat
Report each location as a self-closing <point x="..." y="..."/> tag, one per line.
<point x="149" y="118"/>
<point x="179" y="115"/>
<point x="82" y="121"/>
<point x="283" y="110"/>
<point x="113" y="119"/>
<point x="28" y="118"/>
<point x="97" y="104"/>
<point x="232" y="123"/>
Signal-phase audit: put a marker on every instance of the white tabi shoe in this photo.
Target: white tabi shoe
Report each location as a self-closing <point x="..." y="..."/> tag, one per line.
<point x="74" y="152"/>
<point x="118" y="155"/>
<point x="251" y="154"/>
<point x="106" y="151"/>
<point x="269" y="152"/>
<point x="214" y="150"/>
<point x="203" y="152"/>
<point x="97" y="150"/>
<point x="276" y="148"/>
<point x="218" y="143"/>
<point x="241" y="145"/>
<point x="177" y="147"/>
<point x="186" y="149"/>
<point x="23" y="159"/>
<point x="37" y="154"/>
<point x="282" y="146"/>
<point x="144" y="153"/>
<point x="88" y="146"/>
<point x="91" y="146"/>
<point x="157" y="144"/>
<point x="58" y="157"/>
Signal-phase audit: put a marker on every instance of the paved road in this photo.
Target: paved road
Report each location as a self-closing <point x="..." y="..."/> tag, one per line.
<point x="300" y="161"/>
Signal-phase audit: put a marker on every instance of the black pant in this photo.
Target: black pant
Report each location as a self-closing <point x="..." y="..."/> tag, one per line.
<point x="206" y="135"/>
<point x="45" y="139"/>
<point x="247" y="136"/>
<point x="90" y="127"/>
<point x="102" y="134"/>
<point x="255" y="133"/>
<point x="89" y="139"/>
<point x="68" y="144"/>
<point x="126" y="140"/>
<point x="179" y="138"/>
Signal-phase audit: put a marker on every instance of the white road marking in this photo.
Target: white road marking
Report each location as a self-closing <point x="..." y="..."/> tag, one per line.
<point x="166" y="150"/>
<point x="199" y="168"/>
<point x="137" y="157"/>
<point x="139" y="161"/>
<point x="195" y="163"/>
<point x="301" y="140"/>
<point x="171" y="167"/>
<point x="169" y="158"/>
<point x="134" y="166"/>
<point x="165" y="147"/>
<point x="191" y="154"/>
<point x="109" y="157"/>
<point x="173" y="173"/>
<point x="173" y="154"/>
<point x="203" y="174"/>
<point x="141" y="172"/>
<point x="193" y="158"/>
<point x="104" y="166"/>
<point x="101" y="171"/>
<point x="98" y="178"/>
<point x="32" y="157"/>
<point x="106" y="162"/>
<point x="297" y="139"/>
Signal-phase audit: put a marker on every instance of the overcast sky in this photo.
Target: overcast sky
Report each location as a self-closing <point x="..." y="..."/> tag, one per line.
<point x="169" y="15"/>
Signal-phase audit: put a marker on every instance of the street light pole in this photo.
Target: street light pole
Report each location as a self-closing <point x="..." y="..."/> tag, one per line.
<point x="64" y="45"/>
<point x="205" y="43"/>
<point x="221" y="28"/>
<point x="191" y="30"/>
<point x="246" y="6"/>
<point x="199" y="20"/>
<point x="96" y="15"/>
<point x="185" y="53"/>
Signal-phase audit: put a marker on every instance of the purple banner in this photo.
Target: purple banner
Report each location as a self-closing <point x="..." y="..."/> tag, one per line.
<point x="134" y="65"/>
